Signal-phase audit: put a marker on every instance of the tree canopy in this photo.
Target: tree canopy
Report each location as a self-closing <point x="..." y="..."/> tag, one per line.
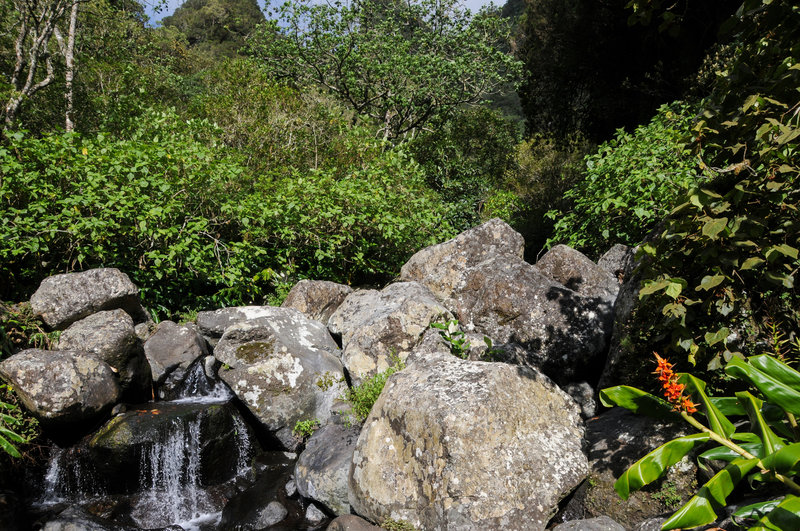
<point x="399" y="63"/>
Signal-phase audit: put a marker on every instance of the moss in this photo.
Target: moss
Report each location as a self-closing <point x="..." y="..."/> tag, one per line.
<point x="253" y="352"/>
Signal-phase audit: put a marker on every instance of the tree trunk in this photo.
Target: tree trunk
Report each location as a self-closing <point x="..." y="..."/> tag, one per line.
<point x="68" y="51"/>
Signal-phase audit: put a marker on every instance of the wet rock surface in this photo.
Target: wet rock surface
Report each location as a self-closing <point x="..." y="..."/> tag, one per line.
<point x="170" y="351"/>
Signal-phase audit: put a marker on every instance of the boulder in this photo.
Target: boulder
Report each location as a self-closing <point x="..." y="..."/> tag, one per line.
<point x="618" y="261"/>
<point x="62" y="387"/>
<point x="63" y="299"/>
<point x="266" y="503"/>
<point x="377" y="326"/>
<point x="440" y="267"/>
<point x="171" y="350"/>
<point x="318" y="299"/>
<point x="285" y="369"/>
<point x="577" y="272"/>
<point x="453" y="444"/>
<point x="212" y="324"/>
<point x="583" y="394"/>
<point x="111" y="337"/>
<point x="323" y="467"/>
<point x="351" y="522"/>
<point x="550" y="326"/>
<point x="601" y="523"/>
<point x="78" y="519"/>
<point x="617" y="439"/>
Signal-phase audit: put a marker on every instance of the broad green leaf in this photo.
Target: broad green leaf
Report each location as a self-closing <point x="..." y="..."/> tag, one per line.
<point x="712" y="338"/>
<point x="637" y="401"/>
<point x="652" y="287"/>
<point x="775" y="390"/>
<point x="723" y="453"/>
<point x="653" y="465"/>
<point x="728" y="405"/>
<point x="701" y="509"/>
<point x="755" y="510"/>
<point x="785" y="460"/>
<point x="710" y="282"/>
<point x="718" y="422"/>
<point x="674" y="290"/>
<point x="713" y="227"/>
<point x="758" y="425"/>
<point x="777" y="369"/>
<point x="786" y="515"/>
<point x="752" y="262"/>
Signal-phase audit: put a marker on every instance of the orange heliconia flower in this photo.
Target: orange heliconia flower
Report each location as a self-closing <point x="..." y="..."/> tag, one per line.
<point x="673" y="391"/>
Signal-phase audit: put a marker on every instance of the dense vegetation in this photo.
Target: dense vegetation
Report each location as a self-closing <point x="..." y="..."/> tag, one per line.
<point x="222" y="156"/>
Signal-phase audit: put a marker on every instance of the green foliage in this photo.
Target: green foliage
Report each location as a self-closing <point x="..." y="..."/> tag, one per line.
<point x="459" y="346"/>
<point x="20" y="329"/>
<point x="630" y="184"/>
<point x="363" y="396"/>
<point x="353" y="228"/>
<point x="464" y="158"/>
<point x="767" y="451"/>
<point x="303" y="429"/>
<point x="17" y="427"/>
<point x="544" y="168"/>
<point x="400" y="63"/>
<point x="280" y="129"/>
<point x="725" y="266"/>
<point x="154" y="207"/>
<point x="217" y="27"/>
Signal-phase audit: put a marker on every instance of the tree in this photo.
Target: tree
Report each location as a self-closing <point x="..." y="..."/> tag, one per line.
<point x="217" y="26"/>
<point x="399" y="62"/>
<point x="36" y="22"/>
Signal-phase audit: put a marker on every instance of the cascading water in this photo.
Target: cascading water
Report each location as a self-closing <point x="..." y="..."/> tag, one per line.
<point x="170" y="470"/>
<point x="166" y="442"/>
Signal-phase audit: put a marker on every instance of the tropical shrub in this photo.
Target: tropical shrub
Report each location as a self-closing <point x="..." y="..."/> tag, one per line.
<point x="723" y="271"/>
<point x="153" y="207"/>
<point x="765" y="448"/>
<point x="464" y="158"/>
<point x="356" y="228"/>
<point x="543" y="169"/>
<point x="630" y="184"/>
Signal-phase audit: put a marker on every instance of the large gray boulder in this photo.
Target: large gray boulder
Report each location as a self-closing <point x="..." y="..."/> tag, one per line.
<point x="62" y="387"/>
<point x="440" y="267"/>
<point x="171" y="351"/>
<point x="322" y="469"/>
<point x="318" y="299"/>
<point x="601" y="523"/>
<point x="548" y="325"/>
<point x="351" y="522"/>
<point x="285" y="368"/>
<point x="577" y="272"/>
<point x="454" y="444"/>
<point x="63" y="299"/>
<point x="111" y="337"/>
<point x="212" y="324"/>
<point x="377" y="326"/>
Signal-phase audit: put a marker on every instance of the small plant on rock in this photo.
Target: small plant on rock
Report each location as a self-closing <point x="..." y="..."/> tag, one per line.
<point x="303" y="429"/>
<point x="768" y="451"/>
<point x="450" y="332"/>
<point x="362" y="397"/>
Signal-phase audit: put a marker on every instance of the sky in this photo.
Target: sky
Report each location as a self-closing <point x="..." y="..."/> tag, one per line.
<point x="171" y="5"/>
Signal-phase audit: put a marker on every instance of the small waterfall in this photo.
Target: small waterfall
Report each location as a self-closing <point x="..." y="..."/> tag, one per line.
<point x="68" y="478"/>
<point x="244" y="445"/>
<point x="198" y="386"/>
<point x="170" y="470"/>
